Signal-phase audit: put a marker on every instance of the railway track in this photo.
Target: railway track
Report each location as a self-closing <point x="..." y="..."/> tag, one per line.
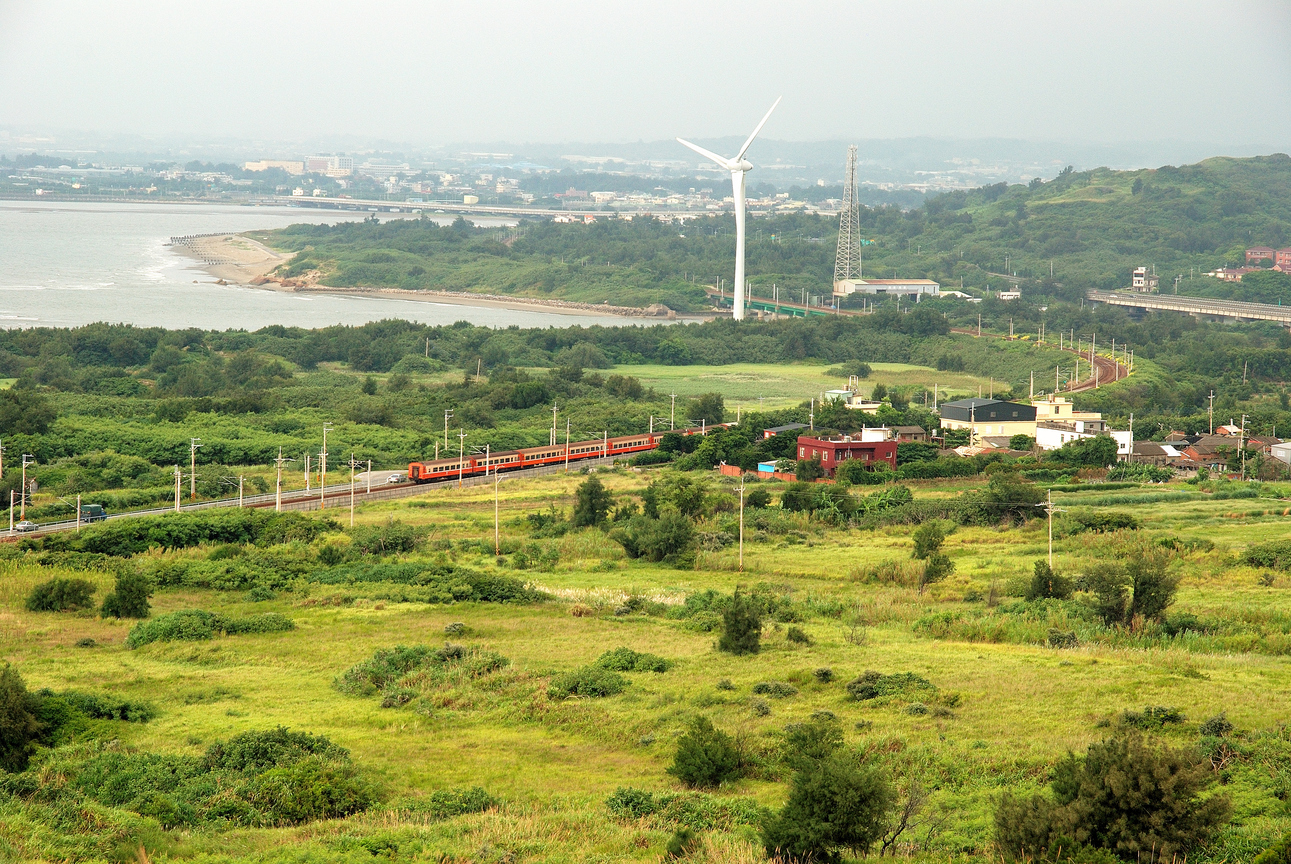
<point x="334" y="497"/>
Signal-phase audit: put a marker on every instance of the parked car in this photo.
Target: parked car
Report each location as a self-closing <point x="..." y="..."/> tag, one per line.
<point x="396" y="478"/>
<point x="93" y="513"/>
<point x="26" y="525"/>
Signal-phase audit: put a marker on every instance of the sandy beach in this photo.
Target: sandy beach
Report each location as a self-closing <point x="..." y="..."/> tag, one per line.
<point x="239" y="260"/>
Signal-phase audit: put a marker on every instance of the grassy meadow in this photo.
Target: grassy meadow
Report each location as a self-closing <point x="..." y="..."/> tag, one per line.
<point x="1002" y="710"/>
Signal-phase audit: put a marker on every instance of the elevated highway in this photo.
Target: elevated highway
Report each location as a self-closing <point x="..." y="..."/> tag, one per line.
<point x="431" y="206"/>
<point x="1198" y="306"/>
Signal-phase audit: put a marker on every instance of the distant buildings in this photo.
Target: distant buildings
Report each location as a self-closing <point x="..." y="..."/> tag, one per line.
<point x="1144" y="281"/>
<point x="266" y="164"/>
<point x="872" y="445"/>
<point x="1281" y="258"/>
<point x="890" y="287"/>
<point x="332" y="166"/>
<point x="1231" y="274"/>
<point x="989" y="417"/>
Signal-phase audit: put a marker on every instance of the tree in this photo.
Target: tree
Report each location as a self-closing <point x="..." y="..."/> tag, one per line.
<point x="809" y="469"/>
<point x="130" y="599"/>
<point x="709" y="408"/>
<point x="706" y="756"/>
<point x="1096" y="452"/>
<point x="1111" y="597"/>
<point x="25" y="412"/>
<point x="834" y="804"/>
<point x="879" y="393"/>
<point x="1021" y="442"/>
<point x="1152" y="588"/>
<point x="1008" y="497"/>
<point x="19" y="728"/>
<point x="1046" y="584"/>
<point x="741" y="626"/>
<point x="757" y="499"/>
<point x="1126" y="796"/>
<point x="928" y="538"/>
<point x="369" y="386"/>
<point x="935" y="569"/>
<point x="592" y="503"/>
<point x="666" y="538"/>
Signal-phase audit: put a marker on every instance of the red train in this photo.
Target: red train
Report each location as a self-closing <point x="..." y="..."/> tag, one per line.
<point x="531" y="457"/>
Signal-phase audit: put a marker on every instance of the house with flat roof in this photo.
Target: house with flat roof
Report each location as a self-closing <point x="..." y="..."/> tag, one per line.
<point x="833" y="450"/>
<point x="788" y="427"/>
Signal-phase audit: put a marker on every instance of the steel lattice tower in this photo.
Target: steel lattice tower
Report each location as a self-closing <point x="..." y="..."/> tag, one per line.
<point x="847" y="263"/>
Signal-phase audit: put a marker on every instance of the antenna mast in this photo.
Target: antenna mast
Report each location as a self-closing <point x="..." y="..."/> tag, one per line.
<point x="847" y="262"/>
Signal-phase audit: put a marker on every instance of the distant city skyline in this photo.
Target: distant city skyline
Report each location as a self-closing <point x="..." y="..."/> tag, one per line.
<point x="427" y="75"/>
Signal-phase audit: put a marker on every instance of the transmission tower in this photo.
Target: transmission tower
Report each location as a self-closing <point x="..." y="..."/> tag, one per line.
<point x="847" y="263"/>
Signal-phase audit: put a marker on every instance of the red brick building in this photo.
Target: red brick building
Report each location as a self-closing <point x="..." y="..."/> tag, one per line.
<point x="1282" y="259"/>
<point x="835" y="450"/>
<point x="1257" y="253"/>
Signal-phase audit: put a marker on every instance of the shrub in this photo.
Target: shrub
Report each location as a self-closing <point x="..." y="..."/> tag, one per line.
<point x="1275" y="555"/>
<point x="447" y="803"/>
<point x="1125" y="796"/>
<point x="308" y="790"/>
<point x="798" y="635"/>
<point x="813" y="741"/>
<point x="19" y="727"/>
<point x="725" y="684"/>
<point x="627" y="660"/>
<point x="122" y="537"/>
<point x="1218" y="726"/>
<point x="824" y="674"/>
<point x="1152" y="588"/>
<point x="873" y="685"/>
<point x="253" y="752"/>
<point x="130" y="599"/>
<point x="706" y="756"/>
<point x="808" y="470"/>
<point x="629" y="803"/>
<point x="197" y="625"/>
<point x="757" y="499"/>
<point x="60" y="595"/>
<point x="741" y="626"/>
<point x="666" y="538"/>
<point x="590" y="681"/>
<point x="1152" y="718"/>
<point x="387" y="666"/>
<point x="775" y="689"/>
<point x="1046" y="584"/>
<point x="1062" y="638"/>
<point x="833" y="804"/>
<point x="916" y="709"/>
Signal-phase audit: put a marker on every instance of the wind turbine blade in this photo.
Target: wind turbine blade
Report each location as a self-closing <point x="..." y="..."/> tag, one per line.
<point x="748" y="143"/>
<point x="707" y="154"/>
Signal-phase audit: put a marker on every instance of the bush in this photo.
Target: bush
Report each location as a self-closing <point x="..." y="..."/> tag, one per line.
<point x="19" y="727"/>
<point x="833" y="804"/>
<point x="60" y="595"/>
<point x="775" y="689"/>
<point x="590" y="681"/>
<point x="669" y="537"/>
<point x="1275" y="555"/>
<point x="447" y="803"/>
<point x="1278" y="853"/>
<point x="873" y="685"/>
<point x="1218" y="726"/>
<point x="1125" y="796"/>
<point x="629" y="803"/>
<point x="1046" y="584"/>
<point x="798" y="635"/>
<point x="682" y="844"/>
<point x="808" y="470"/>
<point x="935" y="569"/>
<point x="130" y="599"/>
<point x="384" y="670"/>
<point x="706" y="756"/>
<point x="741" y="626"/>
<point x="1152" y="718"/>
<point x="1152" y="587"/>
<point x="123" y="537"/>
<point x="824" y="674"/>
<point x="253" y="752"/>
<point x="197" y="625"/>
<point x="308" y="790"/>
<point x="1062" y="638"/>
<point x="627" y="660"/>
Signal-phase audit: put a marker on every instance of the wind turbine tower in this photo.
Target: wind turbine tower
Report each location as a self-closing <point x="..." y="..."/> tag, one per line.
<point x="738" y="166"/>
<point x="847" y="262"/>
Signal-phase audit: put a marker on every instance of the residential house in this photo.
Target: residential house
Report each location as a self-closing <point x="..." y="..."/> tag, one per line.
<point x="1282" y="260"/>
<point x="788" y="427"/>
<point x="1143" y="281"/>
<point x="989" y="417"/>
<point x="836" y="449"/>
<point x="910" y="433"/>
<point x="1258" y="253"/>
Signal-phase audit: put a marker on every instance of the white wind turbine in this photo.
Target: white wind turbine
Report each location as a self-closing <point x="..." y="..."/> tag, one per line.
<point x="738" y="166"/>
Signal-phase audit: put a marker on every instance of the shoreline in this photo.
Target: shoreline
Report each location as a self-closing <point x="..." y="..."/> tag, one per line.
<point x="234" y="259"/>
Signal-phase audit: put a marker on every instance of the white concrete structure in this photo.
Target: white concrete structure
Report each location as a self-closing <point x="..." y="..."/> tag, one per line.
<point x="844" y="287"/>
<point x="738" y="166"/>
<point x="1051" y="436"/>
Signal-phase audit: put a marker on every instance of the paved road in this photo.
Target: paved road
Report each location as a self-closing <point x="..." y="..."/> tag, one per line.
<point x="1195" y="305"/>
<point x="337" y="497"/>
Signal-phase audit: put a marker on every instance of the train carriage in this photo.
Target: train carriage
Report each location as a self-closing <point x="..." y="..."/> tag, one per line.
<point x="531" y="457"/>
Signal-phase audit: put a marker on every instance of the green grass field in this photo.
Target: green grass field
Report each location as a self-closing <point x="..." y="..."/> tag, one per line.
<point x="751" y="385"/>
<point x="1006" y="709"/>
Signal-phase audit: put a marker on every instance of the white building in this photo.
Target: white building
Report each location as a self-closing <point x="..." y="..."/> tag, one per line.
<point x="917" y="287"/>
<point x="1051" y="436"/>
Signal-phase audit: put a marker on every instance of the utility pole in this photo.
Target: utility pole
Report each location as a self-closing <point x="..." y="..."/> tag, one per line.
<point x="741" y="491"/>
<point x="353" y="464"/>
<point x="322" y="469"/>
<point x="672" y="413"/>
<point x="27" y="459"/>
<point x="461" y="455"/>
<point x="448" y="415"/>
<point x="1211" y="412"/>
<point x="193" y="447"/>
<point x="1242" y="446"/>
<point x="240" y="478"/>
<point x="307" y="474"/>
<point x="1050" y="510"/>
<point x="497" y="536"/>
<point x="553" y="424"/>
<point x="78" y="514"/>
<point x="566" y="445"/>
<point x="10" y="511"/>
<point x="178" y="480"/>
<point x="979" y="324"/>
<point x="369" y="476"/>
<point x="1" y="460"/>
<point x="277" y="494"/>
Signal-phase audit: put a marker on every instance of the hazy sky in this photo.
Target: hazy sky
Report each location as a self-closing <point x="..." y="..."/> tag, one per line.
<point x="433" y="73"/>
